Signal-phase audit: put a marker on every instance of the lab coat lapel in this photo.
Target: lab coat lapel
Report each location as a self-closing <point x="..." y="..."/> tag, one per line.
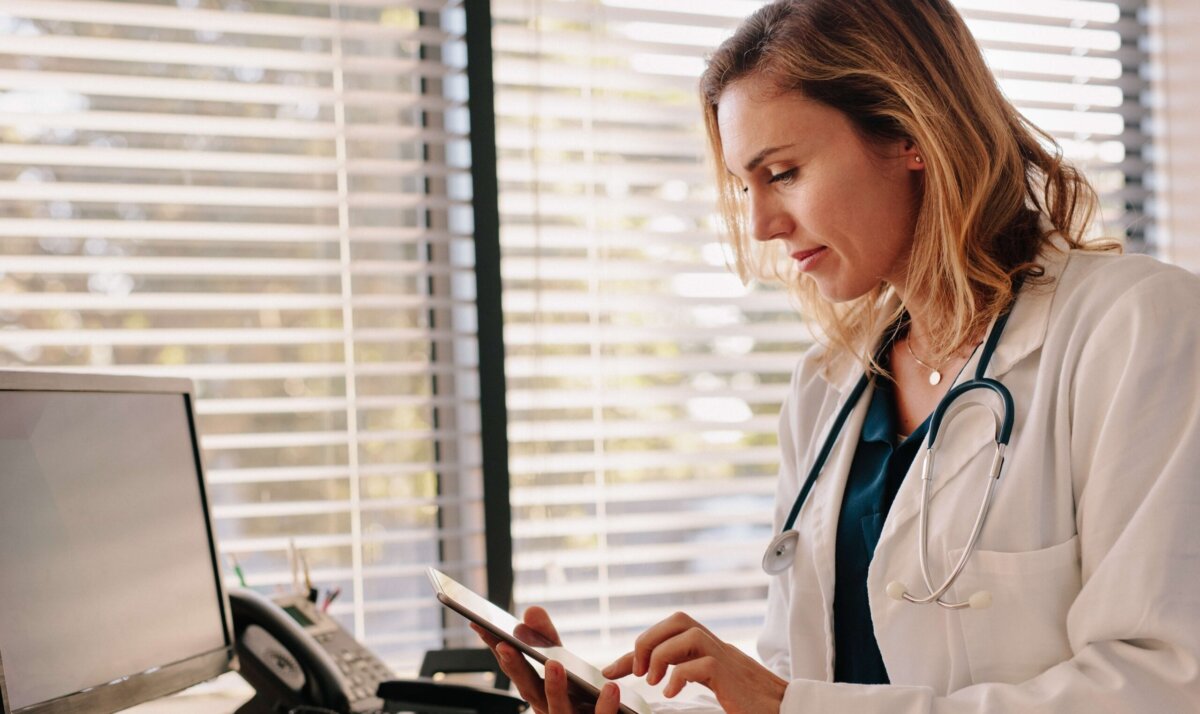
<point x="826" y="501"/>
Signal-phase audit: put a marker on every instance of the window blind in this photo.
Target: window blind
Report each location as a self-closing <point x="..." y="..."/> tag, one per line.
<point x="644" y="380"/>
<point x="272" y="198"/>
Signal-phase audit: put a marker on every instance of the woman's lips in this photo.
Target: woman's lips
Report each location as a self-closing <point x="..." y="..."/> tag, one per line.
<point x="808" y="258"/>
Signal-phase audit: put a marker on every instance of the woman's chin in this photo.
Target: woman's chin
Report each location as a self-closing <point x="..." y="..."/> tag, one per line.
<point x="837" y="292"/>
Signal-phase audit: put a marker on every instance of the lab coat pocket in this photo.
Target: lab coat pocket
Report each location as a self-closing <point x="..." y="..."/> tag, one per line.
<point x="1024" y="632"/>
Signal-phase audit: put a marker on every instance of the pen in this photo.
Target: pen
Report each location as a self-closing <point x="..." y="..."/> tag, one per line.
<point x="330" y="597"/>
<point x="312" y="592"/>
<point x="237" y="569"/>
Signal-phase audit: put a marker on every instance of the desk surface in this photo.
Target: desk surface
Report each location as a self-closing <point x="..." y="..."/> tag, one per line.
<point x="223" y="695"/>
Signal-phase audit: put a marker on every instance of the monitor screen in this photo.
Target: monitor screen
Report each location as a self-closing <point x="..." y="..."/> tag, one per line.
<point x="107" y="566"/>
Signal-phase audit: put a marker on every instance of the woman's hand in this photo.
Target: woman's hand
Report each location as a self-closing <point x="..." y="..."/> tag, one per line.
<point x="550" y="696"/>
<point x="741" y="685"/>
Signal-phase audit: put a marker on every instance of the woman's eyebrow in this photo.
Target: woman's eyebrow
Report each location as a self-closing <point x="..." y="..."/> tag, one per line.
<point x="762" y="155"/>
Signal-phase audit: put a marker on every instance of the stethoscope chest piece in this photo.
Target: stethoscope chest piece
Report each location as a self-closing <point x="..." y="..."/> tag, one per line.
<point x="781" y="552"/>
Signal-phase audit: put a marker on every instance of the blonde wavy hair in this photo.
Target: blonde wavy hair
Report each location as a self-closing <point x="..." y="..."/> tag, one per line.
<point x="992" y="194"/>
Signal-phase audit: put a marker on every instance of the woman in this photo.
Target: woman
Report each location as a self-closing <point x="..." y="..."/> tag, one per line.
<point x="932" y="239"/>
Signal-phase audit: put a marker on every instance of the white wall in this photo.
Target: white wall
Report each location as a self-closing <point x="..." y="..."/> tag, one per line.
<point x="1177" y="118"/>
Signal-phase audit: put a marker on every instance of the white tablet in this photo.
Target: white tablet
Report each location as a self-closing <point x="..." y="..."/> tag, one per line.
<point x="502" y="624"/>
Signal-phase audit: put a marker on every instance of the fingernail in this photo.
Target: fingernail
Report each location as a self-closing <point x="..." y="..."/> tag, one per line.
<point x="503" y="652"/>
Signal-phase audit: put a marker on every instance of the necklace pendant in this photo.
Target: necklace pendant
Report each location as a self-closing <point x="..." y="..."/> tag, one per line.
<point x="935" y="377"/>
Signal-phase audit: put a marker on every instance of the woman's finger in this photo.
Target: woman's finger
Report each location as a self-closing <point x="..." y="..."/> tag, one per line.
<point x="537" y="618"/>
<point x="690" y="644"/>
<point x="558" y="701"/>
<point x="700" y="670"/>
<point x="488" y="638"/>
<point x="621" y="667"/>
<point x="658" y="633"/>
<point x="523" y="675"/>
<point x="609" y="701"/>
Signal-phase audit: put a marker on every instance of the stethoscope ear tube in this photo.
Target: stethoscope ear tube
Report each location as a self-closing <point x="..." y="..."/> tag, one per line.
<point x="1004" y="424"/>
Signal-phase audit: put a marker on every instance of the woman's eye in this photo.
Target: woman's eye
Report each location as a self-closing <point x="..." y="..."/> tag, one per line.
<point x="783" y="176"/>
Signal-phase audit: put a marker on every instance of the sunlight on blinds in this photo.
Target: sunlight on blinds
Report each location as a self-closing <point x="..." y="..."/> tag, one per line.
<point x="644" y="379"/>
<point x="273" y="199"/>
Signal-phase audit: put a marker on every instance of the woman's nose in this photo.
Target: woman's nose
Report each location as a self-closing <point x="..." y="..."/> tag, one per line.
<point x="768" y="220"/>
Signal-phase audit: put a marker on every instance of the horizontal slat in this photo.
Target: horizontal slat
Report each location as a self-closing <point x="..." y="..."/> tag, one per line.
<point x="289" y="405"/>
<point x="643" y="491"/>
<point x="689" y="12"/>
<point x="1094" y="68"/>
<point x="587" y="334"/>
<point x="623" y="269"/>
<point x="631" y="587"/>
<point x="578" y="237"/>
<point x="523" y="304"/>
<point x="305" y="541"/>
<point x="640" y="461"/>
<point x="619" y="617"/>
<point x="586" y="431"/>
<point x="219" y="302"/>
<point x="207" y="54"/>
<point x="515" y="104"/>
<point x="226" y="162"/>
<point x="721" y="516"/>
<point x="294" y="439"/>
<point x="214" y="91"/>
<point x="625" y="173"/>
<point x="238" y="23"/>
<point x="521" y="400"/>
<point x="218" y="231"/>
<point x="189" y="195"/>
<point x="281" y="509"/>
<point x="64" y="264"/>
<point x="619" y="12"/>
<point x="761" y="363"/>
<point x="268" y="370"/>
<point x="1072" y="10"/>
<point x="625" y="142"/>
<point x="282" y="474"/>
<point x="540" y="561"/>
<point x="40" y="110"/>
<point x="217" y="337"/>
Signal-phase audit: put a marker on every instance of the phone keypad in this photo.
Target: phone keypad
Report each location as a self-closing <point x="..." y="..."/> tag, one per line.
<point x="361" y="670"/>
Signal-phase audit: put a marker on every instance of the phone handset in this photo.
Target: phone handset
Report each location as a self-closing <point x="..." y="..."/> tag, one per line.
<point x="282" y="661"/>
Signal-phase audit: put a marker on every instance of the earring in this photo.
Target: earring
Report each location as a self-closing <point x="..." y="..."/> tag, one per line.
<point x="918" y="159"/>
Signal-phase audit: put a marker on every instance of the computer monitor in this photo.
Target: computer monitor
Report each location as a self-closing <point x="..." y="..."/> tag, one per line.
<point x="110" y="588"/>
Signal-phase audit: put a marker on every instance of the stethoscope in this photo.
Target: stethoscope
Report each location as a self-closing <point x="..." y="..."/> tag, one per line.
<point x="781" y="552"/>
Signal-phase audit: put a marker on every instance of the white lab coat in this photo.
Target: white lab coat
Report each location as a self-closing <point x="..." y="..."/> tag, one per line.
<point x="1091" y="550"/>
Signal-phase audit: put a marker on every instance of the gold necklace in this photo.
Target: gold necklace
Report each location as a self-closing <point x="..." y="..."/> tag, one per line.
<point x="935" y="374"/>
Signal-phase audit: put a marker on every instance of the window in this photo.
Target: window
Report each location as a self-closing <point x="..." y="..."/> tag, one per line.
<point x="644" y="379"/>
<point x="271" y="197"/>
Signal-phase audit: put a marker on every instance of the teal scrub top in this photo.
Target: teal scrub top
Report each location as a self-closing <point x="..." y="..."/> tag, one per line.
<point x="880" y="462"/>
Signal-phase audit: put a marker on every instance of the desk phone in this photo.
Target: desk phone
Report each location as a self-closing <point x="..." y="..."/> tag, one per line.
<point x="293" y="653"/>
<point x="296" y="656"/>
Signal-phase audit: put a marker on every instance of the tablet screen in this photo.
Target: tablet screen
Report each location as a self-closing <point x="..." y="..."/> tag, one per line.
<point x="501" y="623"/>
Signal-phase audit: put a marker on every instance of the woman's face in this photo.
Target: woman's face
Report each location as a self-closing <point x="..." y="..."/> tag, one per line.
<point x="845" y="208"/>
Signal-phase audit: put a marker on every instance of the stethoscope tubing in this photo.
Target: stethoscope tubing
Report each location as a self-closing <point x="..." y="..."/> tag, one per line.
<point x="946" y="408"/>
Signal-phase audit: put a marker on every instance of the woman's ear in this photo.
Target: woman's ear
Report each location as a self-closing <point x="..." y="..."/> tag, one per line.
<point x="912" y="155"/>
